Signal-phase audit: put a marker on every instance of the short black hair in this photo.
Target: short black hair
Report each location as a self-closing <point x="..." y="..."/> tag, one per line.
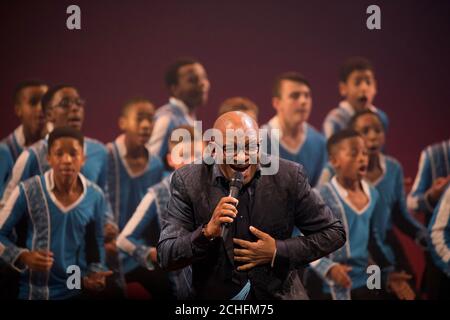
<point x="48" y="96"/>
<point x="127" y="105"/>
<point x="238" y="104"/>
<point x="354" y="64"/>
<point x="290" y="76"/>
<point x="64" y="132"/>
<point x="338" y="137"/>
<point x="25" y="84"/>
<point x="171" y="77"/>
<point x="357" y="115"/>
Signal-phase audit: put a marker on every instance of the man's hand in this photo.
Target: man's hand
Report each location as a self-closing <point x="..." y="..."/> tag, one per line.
<point x="37" y="260"/>
<point x="96" y="281"/>
<point x="436" y="190"/>
<point x="224" y="212"/>
<point x="339" y="274"/>
<point x="255" y="253"/>
<point x="398" y="283"/>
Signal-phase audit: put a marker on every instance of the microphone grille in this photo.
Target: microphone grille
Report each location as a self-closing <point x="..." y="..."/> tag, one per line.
<point x="237" y="180"/>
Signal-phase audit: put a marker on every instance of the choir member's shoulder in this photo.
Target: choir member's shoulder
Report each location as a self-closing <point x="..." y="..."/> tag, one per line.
<point x="92" y="188"/>
<point x="95" y="146"/>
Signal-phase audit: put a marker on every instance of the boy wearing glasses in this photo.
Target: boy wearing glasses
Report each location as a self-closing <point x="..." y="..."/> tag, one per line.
<point x="64" y="107"/>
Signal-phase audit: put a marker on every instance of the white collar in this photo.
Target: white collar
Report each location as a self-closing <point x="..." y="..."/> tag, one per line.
<point x="343" y="193"/>
<point x="274" y="123"/>
<point x="344" y="104"/>
<point x="383" y="170"/>
<point x="182" y="106"/>
<point x="19" y="136"/>
<point x="50" y="185"/>
<point x="122" y="148"/>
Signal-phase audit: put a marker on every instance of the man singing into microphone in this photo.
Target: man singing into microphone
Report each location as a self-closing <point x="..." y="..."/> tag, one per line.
<point x="256" y="258"/>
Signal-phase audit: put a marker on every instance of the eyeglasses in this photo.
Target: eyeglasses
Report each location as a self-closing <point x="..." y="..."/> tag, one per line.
<point x="231" y="150"/>
<point x="67" y="102"/>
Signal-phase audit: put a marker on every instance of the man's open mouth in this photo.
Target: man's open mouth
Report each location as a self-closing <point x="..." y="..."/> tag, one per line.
<point x="239" y="167"/>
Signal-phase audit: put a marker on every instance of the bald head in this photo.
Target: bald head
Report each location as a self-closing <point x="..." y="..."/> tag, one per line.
<point x="235" y="120"/>
<point x="238" y="137"/>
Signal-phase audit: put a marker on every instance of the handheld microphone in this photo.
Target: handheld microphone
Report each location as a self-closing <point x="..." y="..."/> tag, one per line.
<point x="235" y="186"/>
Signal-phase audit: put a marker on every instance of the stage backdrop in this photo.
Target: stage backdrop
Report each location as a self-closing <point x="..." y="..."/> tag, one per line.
<point x="124" y="47"/>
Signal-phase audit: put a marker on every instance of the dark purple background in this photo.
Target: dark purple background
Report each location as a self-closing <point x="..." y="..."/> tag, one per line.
<point x="125" y="46"/>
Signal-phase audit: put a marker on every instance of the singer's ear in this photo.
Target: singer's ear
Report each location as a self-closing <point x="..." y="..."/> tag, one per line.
<point x="334" y="161"/>
<point x="343" y="89"/>
<point x="276" y="103"/>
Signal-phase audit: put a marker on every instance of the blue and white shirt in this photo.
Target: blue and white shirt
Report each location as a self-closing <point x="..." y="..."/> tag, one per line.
<point x="10" y="149"/>
<point x="440" y="233"/>
<point x="360" y="229"/>
<point x="311" y="152"/>
<point x="391" y="189"/>
<point x="134" y="238"/>
<point x="434" y="163"/>
<point x="6" y="165"/>
<point x="74" y="234"/>
<point x="142" y="232"/>
<point x="15" y="142"/>
<point x="125" y="188"/>
<point x="167" y="118"/>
